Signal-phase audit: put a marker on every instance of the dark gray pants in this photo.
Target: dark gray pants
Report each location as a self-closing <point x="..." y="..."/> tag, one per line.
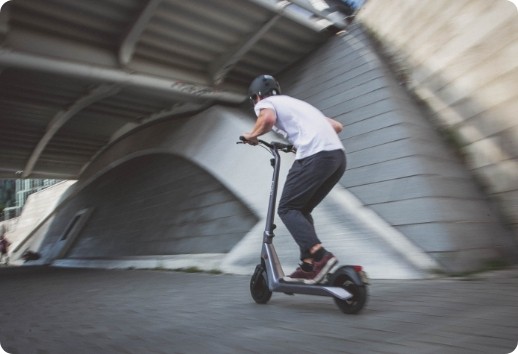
<point x="307" y="184"/>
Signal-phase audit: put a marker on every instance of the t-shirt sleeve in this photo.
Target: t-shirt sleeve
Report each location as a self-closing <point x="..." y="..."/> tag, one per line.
<point x="262" y="105"/>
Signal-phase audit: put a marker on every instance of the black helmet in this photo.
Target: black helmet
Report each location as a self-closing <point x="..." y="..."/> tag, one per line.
<point x="263" y="86"/>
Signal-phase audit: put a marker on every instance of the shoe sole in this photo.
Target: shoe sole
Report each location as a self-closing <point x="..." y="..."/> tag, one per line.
<point x="327" y="268"/>
<point x="298" y="280"/>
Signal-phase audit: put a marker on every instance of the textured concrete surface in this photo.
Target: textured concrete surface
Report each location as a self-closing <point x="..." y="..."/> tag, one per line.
<point x="460" y="58"/>
<point x="62" y="311"/>
<point x="398" y="164"/>
<point x="157" y="204"/>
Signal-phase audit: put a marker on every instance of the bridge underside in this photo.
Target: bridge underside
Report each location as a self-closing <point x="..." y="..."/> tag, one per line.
<point x="76" y="76"/>
<point x="159" y="173"/>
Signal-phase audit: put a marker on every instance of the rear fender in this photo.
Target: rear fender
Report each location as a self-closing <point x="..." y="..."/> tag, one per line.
<point x="352" y="273"/>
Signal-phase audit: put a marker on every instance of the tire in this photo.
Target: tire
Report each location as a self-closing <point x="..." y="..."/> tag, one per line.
<point x="259" y="286"/>
<point x="353" y="305"/>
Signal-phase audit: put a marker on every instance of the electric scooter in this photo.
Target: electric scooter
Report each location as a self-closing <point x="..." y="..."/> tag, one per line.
<point x="347" y="285"/>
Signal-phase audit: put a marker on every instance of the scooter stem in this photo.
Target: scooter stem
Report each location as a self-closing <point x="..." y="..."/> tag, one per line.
<point x="270" y="216"/>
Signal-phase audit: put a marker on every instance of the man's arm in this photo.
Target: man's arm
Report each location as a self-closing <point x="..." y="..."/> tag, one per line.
<point x="263" y="125"/>
<point x="337" y="126"/>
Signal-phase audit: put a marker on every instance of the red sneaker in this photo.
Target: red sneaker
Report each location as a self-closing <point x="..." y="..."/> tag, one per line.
<point x="301" y="276"/>
<point x="322" y="267"/>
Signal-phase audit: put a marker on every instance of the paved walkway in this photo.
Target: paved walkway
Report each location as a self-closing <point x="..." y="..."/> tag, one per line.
<point x="54" y="311"/>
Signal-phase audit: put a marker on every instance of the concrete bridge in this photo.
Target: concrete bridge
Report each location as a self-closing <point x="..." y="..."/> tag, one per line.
<point x="160" y="180"/>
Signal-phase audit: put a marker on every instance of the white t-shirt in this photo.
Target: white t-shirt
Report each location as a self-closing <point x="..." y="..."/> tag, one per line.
<point x="306" y="127"/>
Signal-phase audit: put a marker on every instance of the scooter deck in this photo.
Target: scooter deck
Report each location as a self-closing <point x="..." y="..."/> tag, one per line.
<point x="277" y="284"/>
<point x="310" y="289"/>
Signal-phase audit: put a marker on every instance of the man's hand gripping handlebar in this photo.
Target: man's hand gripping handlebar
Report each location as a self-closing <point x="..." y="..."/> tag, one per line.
<point x="273" y="145"/>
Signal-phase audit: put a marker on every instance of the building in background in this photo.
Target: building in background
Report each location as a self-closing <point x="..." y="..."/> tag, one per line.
<point x="14" y="194"/>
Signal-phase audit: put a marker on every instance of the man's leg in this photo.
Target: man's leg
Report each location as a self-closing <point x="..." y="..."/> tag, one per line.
<point x="328" y="184"/>
<point x="308" y="182"/>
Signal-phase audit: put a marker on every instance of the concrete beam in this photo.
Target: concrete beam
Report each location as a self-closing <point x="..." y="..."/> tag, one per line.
<point x="62" y="117"/>
<point x="127" y="48"/>
<point x="177" y="88"/>
<point x="224" y="64"/>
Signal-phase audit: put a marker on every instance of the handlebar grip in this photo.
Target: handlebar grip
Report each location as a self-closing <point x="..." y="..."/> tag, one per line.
<point x="273" y="145"/>
<point x="245" y="140"/>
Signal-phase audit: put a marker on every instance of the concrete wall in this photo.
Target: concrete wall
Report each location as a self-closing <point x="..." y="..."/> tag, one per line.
<point x="460" y="57"/>
<point x="156" y="204"/>
<point x="398" y="165"/>
<point x="182" y="193"/>
<point x="143" y="199"/>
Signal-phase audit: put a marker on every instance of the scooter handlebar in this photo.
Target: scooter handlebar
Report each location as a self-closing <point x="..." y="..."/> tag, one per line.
<point x="273" y="145"/>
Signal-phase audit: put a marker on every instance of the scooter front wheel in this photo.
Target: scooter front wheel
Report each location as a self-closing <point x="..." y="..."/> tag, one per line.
<point x="259" y="286"/>
<point x="347" y="278"/>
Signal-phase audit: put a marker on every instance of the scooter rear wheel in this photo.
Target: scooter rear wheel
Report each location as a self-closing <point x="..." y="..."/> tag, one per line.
<point x="353" y="305"/>
<point x="259" y="286"/>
